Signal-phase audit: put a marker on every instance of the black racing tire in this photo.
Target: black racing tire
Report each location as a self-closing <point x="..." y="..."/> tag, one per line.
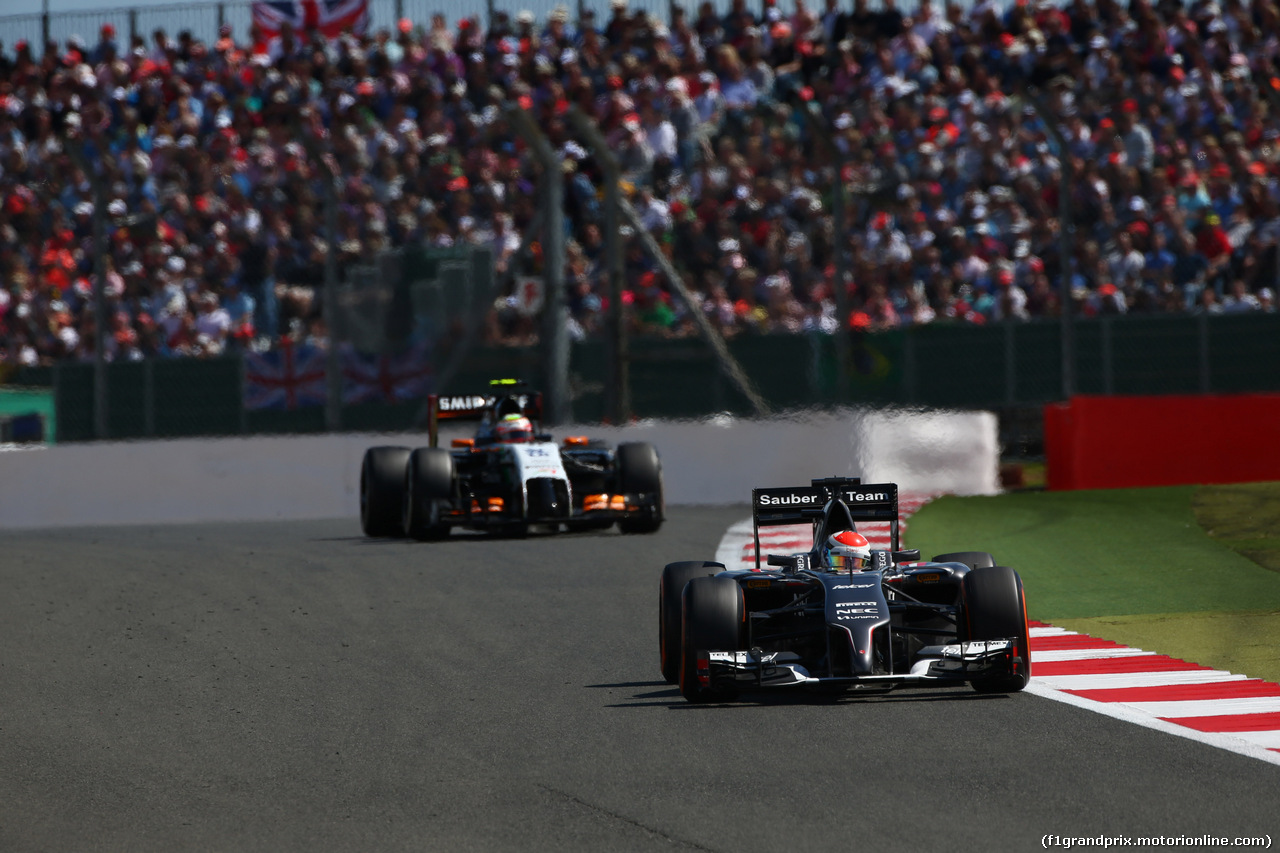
<point x="713" y="619"/>
<point x="670" y="608"/>
<point x="972" y="559"/>
<point x="995" y="608"/>
<point x="382" y="491"/>
<point x="429" y="487"/>
<point x="640" y="472"/>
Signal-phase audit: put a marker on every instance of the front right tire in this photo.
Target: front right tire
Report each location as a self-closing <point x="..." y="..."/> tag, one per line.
<point x="714" y="619"/>
<point x="429" y="486"/>
<point x="972" y="559"/>
<point x="670" y="608"/>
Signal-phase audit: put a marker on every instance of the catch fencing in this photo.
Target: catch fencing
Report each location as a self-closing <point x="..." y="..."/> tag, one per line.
<point x="1001" y="366"/>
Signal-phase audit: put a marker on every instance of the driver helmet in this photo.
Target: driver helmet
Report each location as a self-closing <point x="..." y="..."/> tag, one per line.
<point x="849" y="550"/>
<point x="514" y="429"/>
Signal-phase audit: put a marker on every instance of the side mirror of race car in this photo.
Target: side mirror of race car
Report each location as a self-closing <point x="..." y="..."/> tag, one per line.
<point x="794" y="563"/>
<point x="911" y="555"/>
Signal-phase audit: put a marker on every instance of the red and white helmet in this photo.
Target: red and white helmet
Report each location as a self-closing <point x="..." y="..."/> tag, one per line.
<point x="849" y="551"/>
<point x="514" y="429"/>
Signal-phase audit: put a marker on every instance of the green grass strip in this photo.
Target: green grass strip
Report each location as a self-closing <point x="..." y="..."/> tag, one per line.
<point x="1192" y="572"/>
<point x="1241" y="642"/>
<point x="1101" y="553"/>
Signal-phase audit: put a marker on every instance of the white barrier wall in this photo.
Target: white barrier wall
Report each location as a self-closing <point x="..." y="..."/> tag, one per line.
<point x="301" y="477"/>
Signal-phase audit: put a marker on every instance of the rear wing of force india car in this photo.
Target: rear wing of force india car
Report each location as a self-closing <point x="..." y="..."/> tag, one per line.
<point x="507" y="398"/>
<point x="853" y="501"/>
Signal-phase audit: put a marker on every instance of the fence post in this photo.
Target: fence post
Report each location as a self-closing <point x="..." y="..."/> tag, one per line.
<point x="149" y="397"/>
<point x="133" y="24"/>
<point x="44" y="26"/>
<point x="618" y="389"/>
<point x="555" y="336"/>
<point x="333" y="367"/>
<point x="1108" y="365"/>
<point x="75" y="149"/>
<point x="839" y="233"/>
<point x="1206" y="379"/>
<point x="222" y="16"/>
<point x="728" y="364"/>
<point x="908" y="364"/>
<point x="1010" y="364"/>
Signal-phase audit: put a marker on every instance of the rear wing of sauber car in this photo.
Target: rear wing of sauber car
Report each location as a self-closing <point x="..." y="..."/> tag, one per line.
<point x="798" y="504"/>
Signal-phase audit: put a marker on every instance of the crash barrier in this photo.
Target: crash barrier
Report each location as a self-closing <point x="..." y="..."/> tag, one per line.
<point x="942" y="366"/>
<point x="303" y="477"/>
<point x="1122" y="442"/>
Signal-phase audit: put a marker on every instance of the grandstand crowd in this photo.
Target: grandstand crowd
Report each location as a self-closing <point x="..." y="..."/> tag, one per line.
<point x="732" y="130"/>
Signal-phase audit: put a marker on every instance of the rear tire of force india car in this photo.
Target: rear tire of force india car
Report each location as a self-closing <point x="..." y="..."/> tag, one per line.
<point x="382" y="491"/>
<point x="640" y="472"/>
<point x="972" y="559"/>
<point x="995" y="608"/>
<point x="713" y="616"/>
<point x="428" y="493"/>
<point x="670" y="607"/>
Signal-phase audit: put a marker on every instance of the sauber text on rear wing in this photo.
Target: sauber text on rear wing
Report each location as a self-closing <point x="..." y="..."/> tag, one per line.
<point x="798" y="504"/>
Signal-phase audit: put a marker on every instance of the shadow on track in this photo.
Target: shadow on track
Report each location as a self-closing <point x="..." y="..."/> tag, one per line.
<point x="670" y="698"/>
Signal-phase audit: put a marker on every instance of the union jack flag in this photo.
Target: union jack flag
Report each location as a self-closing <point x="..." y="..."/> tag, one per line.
<point x="385" y="378"/>
<point x="331" y="17"/>
<point x="285" y="378"/>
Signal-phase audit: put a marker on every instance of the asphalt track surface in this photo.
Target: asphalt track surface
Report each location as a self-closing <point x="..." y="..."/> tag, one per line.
<point x="296" y="687"/>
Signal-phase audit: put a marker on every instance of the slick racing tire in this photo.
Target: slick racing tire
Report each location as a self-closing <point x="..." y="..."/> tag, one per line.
<point x="640" y="471"/>
<point x="972" y="559"/>
<point x="428" y="492"/>
<point x="995" y="608"/>
<point x="670" y="604"/>
<point x="382" y="491"/>
<point x="713" y="618"/>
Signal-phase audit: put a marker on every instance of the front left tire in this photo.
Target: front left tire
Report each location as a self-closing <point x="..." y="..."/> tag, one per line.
<point x="995" y="608"/>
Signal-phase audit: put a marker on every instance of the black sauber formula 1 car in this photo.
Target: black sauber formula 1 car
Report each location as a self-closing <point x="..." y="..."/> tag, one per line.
<point x="797" y="622"/>
<point x="510" y="477"/>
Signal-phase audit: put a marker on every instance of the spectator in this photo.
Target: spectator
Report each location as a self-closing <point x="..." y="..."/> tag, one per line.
<point x="216" y="239"/>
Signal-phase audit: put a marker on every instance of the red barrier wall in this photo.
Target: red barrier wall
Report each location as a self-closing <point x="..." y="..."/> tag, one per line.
<point x="1123" y="442"/>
